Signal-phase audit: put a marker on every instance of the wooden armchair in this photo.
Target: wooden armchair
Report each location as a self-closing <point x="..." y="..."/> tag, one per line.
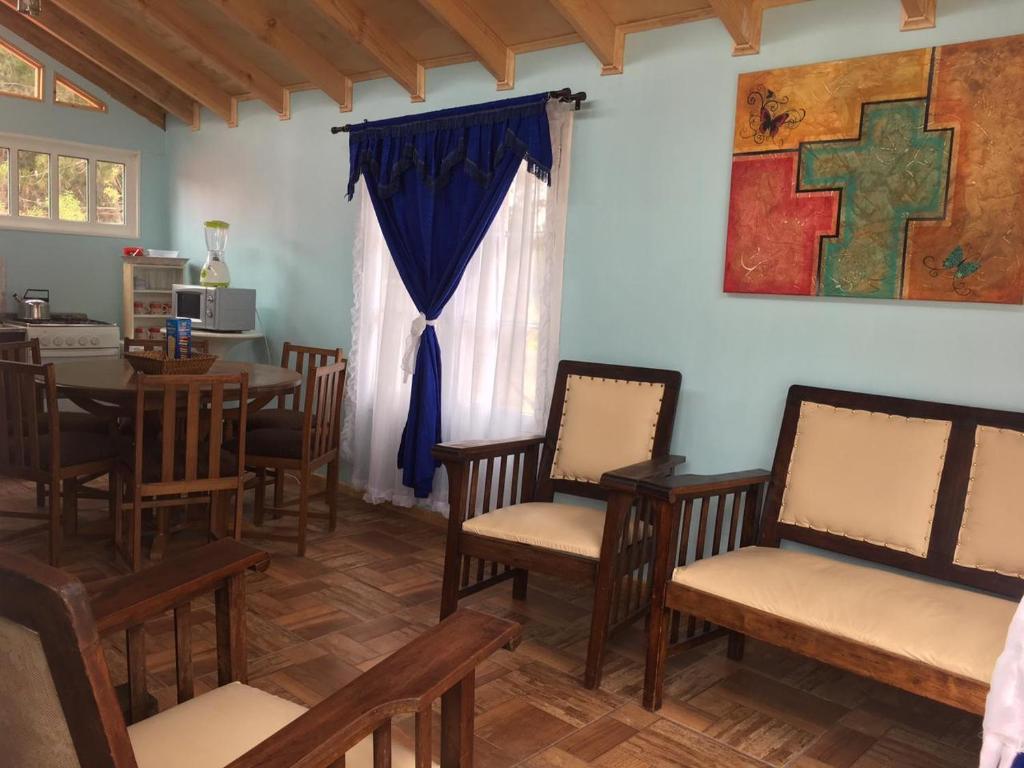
<point x="609" y="427"/>
<point x="61" y="709"/>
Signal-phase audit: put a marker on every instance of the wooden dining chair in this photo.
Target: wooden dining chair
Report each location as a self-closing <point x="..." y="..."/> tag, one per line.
<point x="610" y="427"/>
<point x="286" y="412"/>
<point x="33" y="447"/>
<point x="302" y="451"/>
<point x="159" y="345"/>
<point x="60" y="708"/>
<point x="178" y="458"/>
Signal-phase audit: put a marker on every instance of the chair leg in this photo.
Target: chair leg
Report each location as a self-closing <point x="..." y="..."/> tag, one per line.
<point x="332" y="496"/>
<point x="55" y="529"/>
<point x="303" y="511"/>
<point x="450" y="583"/>
<point x="135" y="530"/>
<point x="40" y="494"/>
<point x="117" y="509"/>
<point x="69" y="502"/>
<point x="599" y="622"/>
<point x="239" y="499"/>
<point x="259" y="496"/>
<point x="520" y="579"/>
<point x="279" y="476"/>
<point x="735" y="647"/>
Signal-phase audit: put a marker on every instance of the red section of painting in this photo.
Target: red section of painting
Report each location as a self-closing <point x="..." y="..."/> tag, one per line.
<point x="774" y="233"/>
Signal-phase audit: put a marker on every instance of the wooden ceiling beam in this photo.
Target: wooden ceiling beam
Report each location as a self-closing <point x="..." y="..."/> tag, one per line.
<point x="598" y="31"/>
<point x="493" y="53"/>
<point x="208" y="42"/>
<point x="72" y="33"/>
<point x="34" y="34"/>
<point x="275" y="34"/>
<point x="917" y="14"/>
<point x="364" y="31"/>
<point x="742" y="20"/>
<point x="103" y="21"/>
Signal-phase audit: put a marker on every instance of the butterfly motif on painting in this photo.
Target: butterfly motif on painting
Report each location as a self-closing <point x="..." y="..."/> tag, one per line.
<point x="957" y="263"/>
<point x="770" y="114"/>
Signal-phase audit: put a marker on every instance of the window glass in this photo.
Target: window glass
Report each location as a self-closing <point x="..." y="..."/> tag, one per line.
<point x="20" y="75"/>
<point x="67" y="93"/>
<point x="5" y="181"/>
<point x="73" y="178"/>
<point x="33" y="184"/>
<point x="109" y="192"/>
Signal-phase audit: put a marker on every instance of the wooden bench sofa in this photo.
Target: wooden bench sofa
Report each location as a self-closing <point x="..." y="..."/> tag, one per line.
<point x="930" y="496"/>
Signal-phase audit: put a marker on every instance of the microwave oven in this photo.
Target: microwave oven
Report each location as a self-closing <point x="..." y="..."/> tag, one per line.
<point x="215" y="309"/>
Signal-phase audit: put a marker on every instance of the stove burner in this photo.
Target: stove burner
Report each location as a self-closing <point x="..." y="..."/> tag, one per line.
<point x="57" y="319"/>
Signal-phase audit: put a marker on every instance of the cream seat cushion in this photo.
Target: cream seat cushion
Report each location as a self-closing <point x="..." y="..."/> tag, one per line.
<point x="943" y="626"/>
<point x="561" y="527"/>
<point x="213" y="729"/>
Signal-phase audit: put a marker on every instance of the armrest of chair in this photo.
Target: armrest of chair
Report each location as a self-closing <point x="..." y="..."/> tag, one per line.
<point x="128" y="601"/>
<point x="473" y="450"/>
<point x="675" y="487"/>
<point x="628" y="478"/>
<point x="441" y="660"/>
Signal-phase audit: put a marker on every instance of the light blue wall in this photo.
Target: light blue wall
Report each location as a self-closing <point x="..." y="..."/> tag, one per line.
<point x="83" y="273"/>
<point x="646" y="228"/>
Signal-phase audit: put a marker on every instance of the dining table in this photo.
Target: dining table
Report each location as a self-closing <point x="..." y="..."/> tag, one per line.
<point x="107" y="386"/>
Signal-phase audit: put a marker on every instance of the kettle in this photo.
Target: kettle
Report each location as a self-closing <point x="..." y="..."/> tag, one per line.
<point x="33" y="307"/>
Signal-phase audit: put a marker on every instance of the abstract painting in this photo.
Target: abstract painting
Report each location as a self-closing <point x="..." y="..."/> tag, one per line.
<point x="898" y="176"/>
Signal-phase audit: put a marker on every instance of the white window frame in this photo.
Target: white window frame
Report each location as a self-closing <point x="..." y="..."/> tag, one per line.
<point x="131" y="159"/>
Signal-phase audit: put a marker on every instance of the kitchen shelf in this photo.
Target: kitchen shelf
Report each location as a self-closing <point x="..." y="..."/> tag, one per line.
<point x="158" y="274"/>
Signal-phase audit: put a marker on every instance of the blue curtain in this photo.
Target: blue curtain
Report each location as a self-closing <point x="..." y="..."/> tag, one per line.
<point x="436" y="181"/>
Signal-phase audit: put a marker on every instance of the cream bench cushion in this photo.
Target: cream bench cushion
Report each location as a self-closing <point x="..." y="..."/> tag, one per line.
<point x="213" y="729"/>
<point x="560" y="527"/>
<point x="943" y="626"/>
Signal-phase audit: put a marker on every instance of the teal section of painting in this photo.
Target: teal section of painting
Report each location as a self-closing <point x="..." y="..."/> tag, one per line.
<point x="897" y="170"/>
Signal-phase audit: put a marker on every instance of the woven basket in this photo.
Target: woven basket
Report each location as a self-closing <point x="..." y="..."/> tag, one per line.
<point x="159" y="364"/>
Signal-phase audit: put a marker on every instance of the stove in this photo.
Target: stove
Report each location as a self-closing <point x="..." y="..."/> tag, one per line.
<point x="70" y="336"/>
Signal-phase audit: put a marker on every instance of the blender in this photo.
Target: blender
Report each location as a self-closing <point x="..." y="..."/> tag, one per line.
<point x="215" y="271"/>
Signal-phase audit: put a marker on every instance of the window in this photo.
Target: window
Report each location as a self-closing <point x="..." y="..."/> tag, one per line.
<point x="20" y="74"/>
<point x="58" y="186"/>
<point x="68" y="94"/>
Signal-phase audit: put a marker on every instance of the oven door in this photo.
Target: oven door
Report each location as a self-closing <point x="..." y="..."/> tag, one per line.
<point x="192" y="302"/>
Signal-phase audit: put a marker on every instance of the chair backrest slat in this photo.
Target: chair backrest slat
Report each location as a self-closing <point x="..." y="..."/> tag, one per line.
<point x="302" y="360"/>
<point x="324" y="389"/>
<point x="190" y="422"/>
<point x="21" y="352"/>
<point x="28" y="400"/>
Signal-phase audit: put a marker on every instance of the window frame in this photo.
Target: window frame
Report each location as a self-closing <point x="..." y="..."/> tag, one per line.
<point x="32" y="62"/>
<point x="131" y="159"/>
<point x="59" y="79"/>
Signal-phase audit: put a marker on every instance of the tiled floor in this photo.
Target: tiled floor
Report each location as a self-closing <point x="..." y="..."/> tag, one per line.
<point x="315" y="623"/>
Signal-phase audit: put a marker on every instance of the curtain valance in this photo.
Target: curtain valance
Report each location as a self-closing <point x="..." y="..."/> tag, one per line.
<point x="474" y="140"/>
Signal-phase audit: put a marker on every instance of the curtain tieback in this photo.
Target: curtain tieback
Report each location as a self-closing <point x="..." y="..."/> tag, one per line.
<point x="412" y="344"/>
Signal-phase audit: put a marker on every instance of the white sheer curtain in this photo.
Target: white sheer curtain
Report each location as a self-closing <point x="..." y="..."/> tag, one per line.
<point x="498" y="333"/>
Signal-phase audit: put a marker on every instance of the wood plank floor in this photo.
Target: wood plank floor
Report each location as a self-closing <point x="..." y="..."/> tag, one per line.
<point x="316" y="623"/>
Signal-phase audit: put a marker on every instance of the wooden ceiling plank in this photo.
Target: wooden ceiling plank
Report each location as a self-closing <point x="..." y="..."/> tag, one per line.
<point x="113" y="29"/>
<point x="392" y="57"/>
<point x="275" y="34"/>
<point x="917" y="14"/>
<point x="22" y="26"/>
<point x="742" y="20"/>
<point x="70" y="31"/>
<point x="492" y="52"/>
<point x="598" y="31"/>
<point x="206" y="40"/>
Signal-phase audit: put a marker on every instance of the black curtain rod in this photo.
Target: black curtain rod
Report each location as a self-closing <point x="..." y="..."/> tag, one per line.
<point x="564" y="95"/>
